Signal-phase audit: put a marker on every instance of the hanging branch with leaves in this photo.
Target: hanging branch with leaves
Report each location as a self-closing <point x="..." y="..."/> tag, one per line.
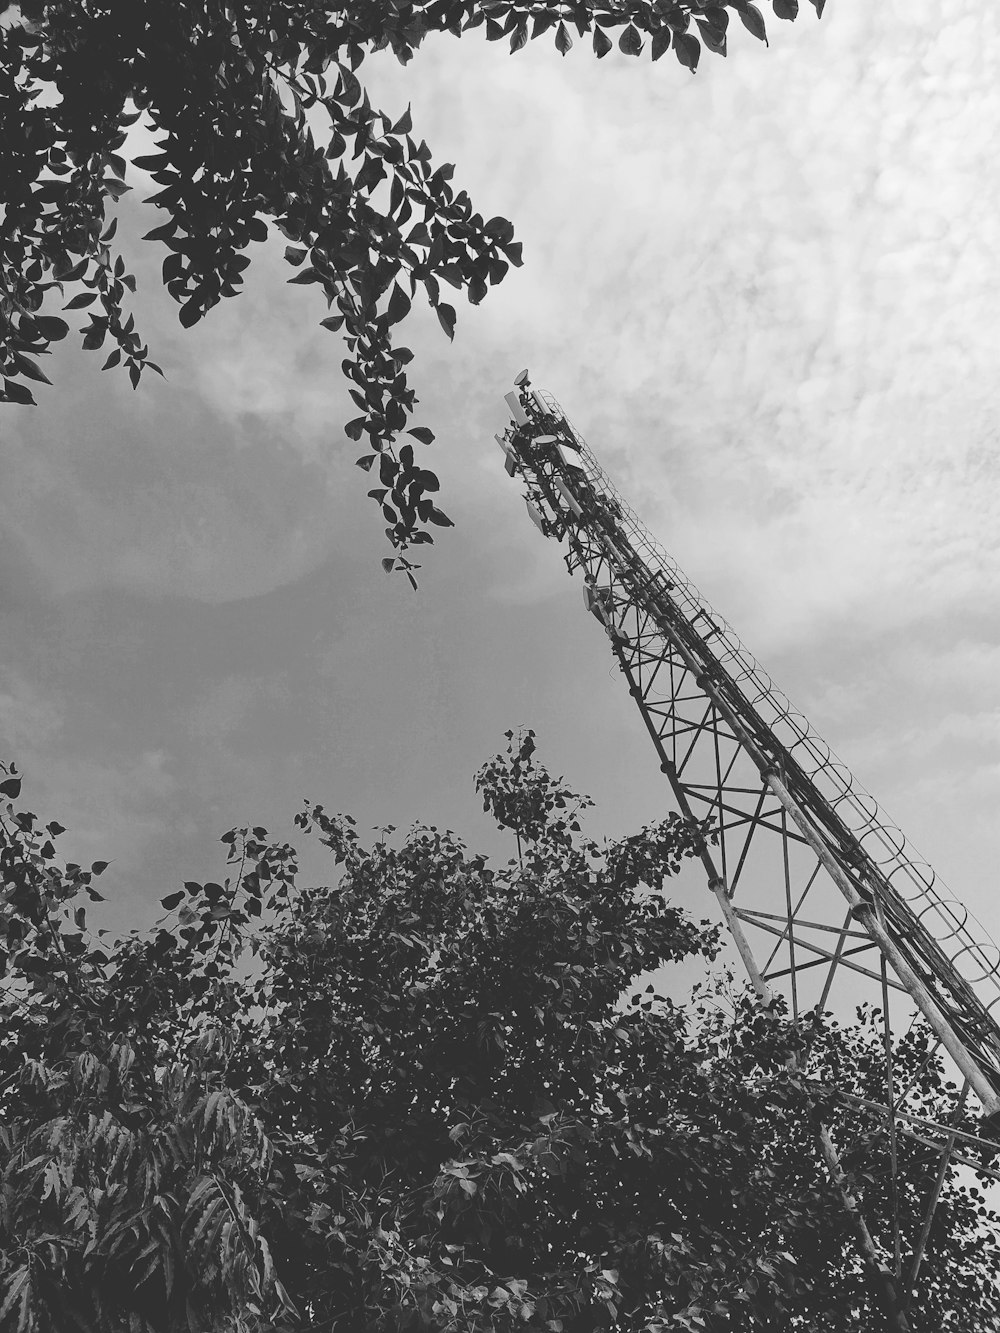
<point x="262" y="122"/>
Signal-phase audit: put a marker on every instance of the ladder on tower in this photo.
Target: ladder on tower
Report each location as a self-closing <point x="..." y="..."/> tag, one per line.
<point x="822" y="895"/>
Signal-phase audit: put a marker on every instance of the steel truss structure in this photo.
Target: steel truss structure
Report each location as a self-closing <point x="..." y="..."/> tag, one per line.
<point x="825" y="900"/>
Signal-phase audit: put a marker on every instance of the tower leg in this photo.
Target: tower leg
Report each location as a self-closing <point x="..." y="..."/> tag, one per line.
<point x="882" y="1281"/>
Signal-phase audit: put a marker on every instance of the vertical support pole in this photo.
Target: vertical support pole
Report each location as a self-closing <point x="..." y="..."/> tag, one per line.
<point x="886" y="1287"/>
<point x="932" y="1203"/>
<point x="789" y="911"/>
<point x="893" y="1151"/>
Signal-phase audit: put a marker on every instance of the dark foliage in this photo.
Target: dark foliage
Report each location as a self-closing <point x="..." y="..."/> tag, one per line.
<point x="436" y="1094"/>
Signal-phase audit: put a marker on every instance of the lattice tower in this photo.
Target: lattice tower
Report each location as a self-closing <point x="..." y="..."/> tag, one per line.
<point x="826" y="901"/>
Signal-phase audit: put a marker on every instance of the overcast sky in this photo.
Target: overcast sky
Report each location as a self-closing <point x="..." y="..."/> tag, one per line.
<point x="768" y="297"/>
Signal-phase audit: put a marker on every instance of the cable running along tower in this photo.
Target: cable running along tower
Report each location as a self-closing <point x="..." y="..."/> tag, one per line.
<point x="826" y="902"/>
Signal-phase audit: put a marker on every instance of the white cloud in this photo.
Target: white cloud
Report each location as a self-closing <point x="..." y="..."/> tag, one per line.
<point x="771" y="288"/>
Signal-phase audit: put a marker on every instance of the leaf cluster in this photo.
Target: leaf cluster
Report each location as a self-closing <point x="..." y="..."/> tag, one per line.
<point x="262" y="122"/>
<point x="433" y="1094"/>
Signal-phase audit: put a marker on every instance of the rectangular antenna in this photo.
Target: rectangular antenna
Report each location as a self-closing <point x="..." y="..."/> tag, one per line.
<point x="517" y="412"/>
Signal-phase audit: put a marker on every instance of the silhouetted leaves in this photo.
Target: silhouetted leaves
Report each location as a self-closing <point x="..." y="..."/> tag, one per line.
<point x="712" y="26"/>
<point x="753" y="20"/>
<point x="261" y="123"/>
<point x="399" y="305"/>
<point x="630" y="42"/>
<point x="446" y="318"/>
<point x="687" y="49"/>
<point x="52" y="328"/>
<point x="660" y="43"/>
<point x="17" y="393"/>
<point x="439" y="1084"/>
<point x="602" y="43"/>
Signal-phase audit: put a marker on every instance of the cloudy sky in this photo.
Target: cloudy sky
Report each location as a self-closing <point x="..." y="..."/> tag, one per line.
<point x="767" y="295"/>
